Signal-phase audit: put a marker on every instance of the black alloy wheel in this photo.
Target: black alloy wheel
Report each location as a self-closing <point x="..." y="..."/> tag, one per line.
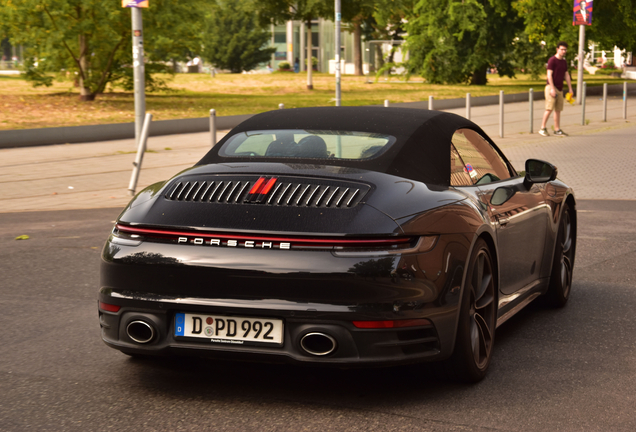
<point x="563" y="263"/>
<point x="476" y="327"/>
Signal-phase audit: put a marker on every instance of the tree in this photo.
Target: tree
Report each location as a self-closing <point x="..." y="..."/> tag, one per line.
<point x="613" y="23"/>
<point x="454" y="41"/>
<point x="5" y="48"/>
<point x="279" y="11"/>
<point x="234" y="39"/>
<point x="90" y="40"/>
<point x="357" y="13"/>
<point x="530" y="57"/>
<point x="390" y="17"/>
<point x="174" y="30"/>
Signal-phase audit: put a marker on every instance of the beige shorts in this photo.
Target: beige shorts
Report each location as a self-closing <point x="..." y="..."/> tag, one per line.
<point x="553" y="103"/>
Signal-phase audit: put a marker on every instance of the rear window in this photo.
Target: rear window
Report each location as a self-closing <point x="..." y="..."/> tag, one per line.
<point x="312" y="144"/>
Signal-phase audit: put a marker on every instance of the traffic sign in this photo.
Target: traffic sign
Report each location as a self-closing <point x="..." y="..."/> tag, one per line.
<point x="134" y="3"/>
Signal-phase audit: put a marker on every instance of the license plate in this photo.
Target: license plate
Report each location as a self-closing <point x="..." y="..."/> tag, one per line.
<point x="229" y="329"/>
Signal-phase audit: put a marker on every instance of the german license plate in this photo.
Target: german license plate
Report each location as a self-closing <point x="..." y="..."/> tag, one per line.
<point x="229" y="329"/>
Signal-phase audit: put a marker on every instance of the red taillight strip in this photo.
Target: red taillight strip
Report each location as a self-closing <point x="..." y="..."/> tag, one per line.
<point x="294" y="240"/>
<point x="109" y="307"/>
<point x="391" y="324"/>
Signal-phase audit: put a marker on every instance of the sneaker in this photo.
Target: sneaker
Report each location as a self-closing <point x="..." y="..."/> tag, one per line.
<point x="544" y="132"/>
<point x="559" y="133"/>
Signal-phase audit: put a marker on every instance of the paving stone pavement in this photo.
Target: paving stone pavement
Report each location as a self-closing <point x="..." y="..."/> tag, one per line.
<point x="595" y="159"/>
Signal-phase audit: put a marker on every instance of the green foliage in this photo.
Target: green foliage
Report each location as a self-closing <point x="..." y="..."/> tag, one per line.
<point x="530" y="57"/>
<point x="234" y="38"/>
<point x="36" y="75"/>
<point x="387" y="67"/>
<point x="388" y="22"/>
<point x="389" y="16"/>
<point x="89" y="41"/>
<point x="609" y="64"/>
<point x="357" y="13"/>
<point x="455" y="41"/>
<point x="284" y="65"/>
<point x="156" y="76"/>
<point x="550" y="22"/>
<point x="173" y="29"/>
<point x="607" y="72"/>
<point x="280" y="11"/>
<point x="62" y="36"/>
<point x="613" y="23"/>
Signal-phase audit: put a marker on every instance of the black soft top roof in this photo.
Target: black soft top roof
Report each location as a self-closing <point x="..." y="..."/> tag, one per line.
<point x="421" y="151"/>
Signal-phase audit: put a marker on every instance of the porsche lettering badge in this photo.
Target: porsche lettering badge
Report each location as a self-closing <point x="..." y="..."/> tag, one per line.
<point x="234" y="243"/>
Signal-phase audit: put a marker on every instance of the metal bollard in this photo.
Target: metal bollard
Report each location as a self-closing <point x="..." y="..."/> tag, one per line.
<point x="213" y="126"/>
<point x="501" y="113"/>
<point x="605" y="102"/>
<point x="531" y="102"/>
<point x="583" y="93"/>
<point x="141" y="149"/>
<point x="386" y="103"/>
<point x="281" y="106"/>
<point x="625" y="100"/>
<point x="468" y="106"/>
<point x="430" y="103"/>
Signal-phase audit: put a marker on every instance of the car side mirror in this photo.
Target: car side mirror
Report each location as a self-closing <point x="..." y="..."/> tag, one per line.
<point x="501" y="195"/>
<point x="538" y="171"/>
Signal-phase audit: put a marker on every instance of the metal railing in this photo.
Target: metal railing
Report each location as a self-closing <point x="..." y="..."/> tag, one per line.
<point x="431" y="103"/>
<point x="531" y="106"/>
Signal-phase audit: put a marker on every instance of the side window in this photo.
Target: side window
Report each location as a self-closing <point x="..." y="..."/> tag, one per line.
<point x="482" y="161"/>
<point x="459" y="174"/>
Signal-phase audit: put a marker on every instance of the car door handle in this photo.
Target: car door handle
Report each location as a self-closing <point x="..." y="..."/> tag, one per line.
<point x="503" y="221"/>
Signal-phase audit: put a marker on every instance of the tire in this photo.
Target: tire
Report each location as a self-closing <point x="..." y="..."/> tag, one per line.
<point x="477" y="317"/>
<point x="563" y="263"/>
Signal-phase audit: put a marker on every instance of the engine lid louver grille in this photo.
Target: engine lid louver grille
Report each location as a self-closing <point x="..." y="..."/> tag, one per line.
<point x="268" y="190"/>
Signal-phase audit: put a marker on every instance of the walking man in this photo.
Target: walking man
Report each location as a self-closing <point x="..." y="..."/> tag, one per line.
<point x="557" y="70"/>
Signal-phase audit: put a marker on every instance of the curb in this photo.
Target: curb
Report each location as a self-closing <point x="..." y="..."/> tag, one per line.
<point x="108" y="132"/>
<point x="118" y="131"/>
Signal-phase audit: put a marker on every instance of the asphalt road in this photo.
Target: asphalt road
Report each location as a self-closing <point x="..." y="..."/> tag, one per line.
<point x="569" y="369"/>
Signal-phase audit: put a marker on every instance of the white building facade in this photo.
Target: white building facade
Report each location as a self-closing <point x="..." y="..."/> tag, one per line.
<point x="290" y="43"/>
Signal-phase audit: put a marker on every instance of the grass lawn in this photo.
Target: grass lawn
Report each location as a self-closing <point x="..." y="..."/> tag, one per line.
<point x="193" y="95"/>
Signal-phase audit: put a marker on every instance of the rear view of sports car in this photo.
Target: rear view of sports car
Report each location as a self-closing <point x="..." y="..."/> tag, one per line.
<point x="339" y="236"/>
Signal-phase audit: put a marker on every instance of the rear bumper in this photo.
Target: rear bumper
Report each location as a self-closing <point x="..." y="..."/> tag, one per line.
<point x="353" y="345"/>
<point x="310" y="291"/>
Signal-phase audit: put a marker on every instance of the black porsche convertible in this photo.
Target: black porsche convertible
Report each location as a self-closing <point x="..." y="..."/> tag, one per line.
<point x="339" y="236"/>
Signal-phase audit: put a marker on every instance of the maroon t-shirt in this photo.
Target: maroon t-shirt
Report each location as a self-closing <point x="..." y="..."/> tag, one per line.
<point x="558" y="68"/>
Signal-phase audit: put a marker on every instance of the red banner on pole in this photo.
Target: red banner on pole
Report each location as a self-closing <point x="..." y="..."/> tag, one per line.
<point x="582" y="12"/>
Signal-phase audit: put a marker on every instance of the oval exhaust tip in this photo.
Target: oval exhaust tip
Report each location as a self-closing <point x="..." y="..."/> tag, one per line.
<point x="140" y="331"/>
<point x="318" y="344"/>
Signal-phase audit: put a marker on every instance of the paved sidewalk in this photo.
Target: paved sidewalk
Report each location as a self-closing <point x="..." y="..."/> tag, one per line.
<point x="595" y="159"/>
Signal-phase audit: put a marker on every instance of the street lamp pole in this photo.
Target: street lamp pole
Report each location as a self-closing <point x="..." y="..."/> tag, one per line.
<point x="338" y="19"/>
<point x="579" y="77"/>
<point x="138" y="71"/>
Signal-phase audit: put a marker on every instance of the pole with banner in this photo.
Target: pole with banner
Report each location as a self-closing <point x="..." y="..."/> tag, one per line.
<point x="338" y="20"/>
<point x="138" y="62"/>
<point x="582" y="16"/>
